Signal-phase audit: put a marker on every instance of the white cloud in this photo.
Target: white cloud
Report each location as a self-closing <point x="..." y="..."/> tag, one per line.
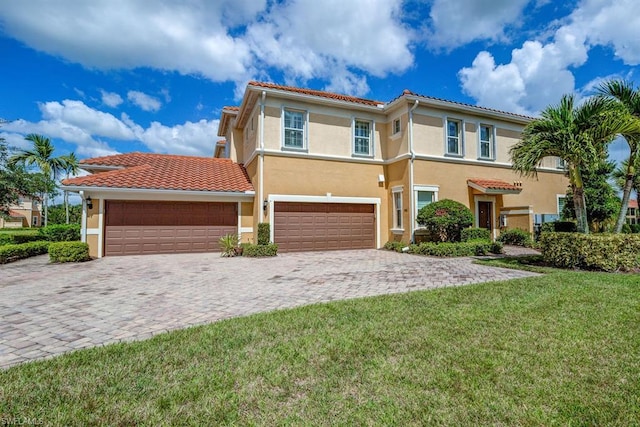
<point x="333" y="42"/>
<point x="111" y="99"/>
<point x="539" y="73"/>
<point x="90" y="130"/>
<point x="144" y="101"/>
<point x="457" y="22"/>
<point x="225" y="40"/>
<point x="196" y="139"/>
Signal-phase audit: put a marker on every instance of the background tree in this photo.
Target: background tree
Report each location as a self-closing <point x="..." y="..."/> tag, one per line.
<point x="577" y="134"/>
<point x="620" y="176"/>
<point x="628" y="98"/>
<point x="58" y="214"/>
<point x="601" y="198"/>
<point x="40" y="156"/>
<point x="14" y="180"/>
<point x="71" y="168"/>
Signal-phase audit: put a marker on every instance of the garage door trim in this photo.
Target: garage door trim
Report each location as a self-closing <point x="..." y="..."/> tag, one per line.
<point x="325" y="199"/>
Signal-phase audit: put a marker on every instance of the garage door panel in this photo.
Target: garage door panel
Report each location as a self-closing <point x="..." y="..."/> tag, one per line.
<point x="323" y="226"/>
<point x="133" y="227"/>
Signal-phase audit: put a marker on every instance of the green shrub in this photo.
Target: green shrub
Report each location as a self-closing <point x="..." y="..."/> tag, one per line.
<point x="25" y="238"/>
<point x="228" y="245"/>
<point x="60" y="232"/>
<point x="635" y="228"/>
<point x="447" y="249"/>
<point x="68" y="252"/>
<point x="250" y="250"/>
<point x="264" y="233"/>
<point x="516" y="237"/>
<point x="5" y="239"/>
<point x="446" y="218"/>
<point x="475" y="234"/>
<point x="14" y="252"/>
<point x="626" y="228"/>
<point x="606" y="252"/>
<point x="395" y="246"/>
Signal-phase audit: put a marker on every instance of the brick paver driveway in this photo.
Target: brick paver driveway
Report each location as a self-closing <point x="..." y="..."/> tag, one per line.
<point x="50" y="309"/>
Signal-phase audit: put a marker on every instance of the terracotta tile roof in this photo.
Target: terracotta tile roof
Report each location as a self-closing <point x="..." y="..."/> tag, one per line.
<point x="320" y="93"/>
<point x="494" y="184"/>
<point x="14" y="214"/>
<point x="462" y="104"/>
<point x="633" y="203"/>
<point x="231" y="108"/>
<point x="166" y="172"/>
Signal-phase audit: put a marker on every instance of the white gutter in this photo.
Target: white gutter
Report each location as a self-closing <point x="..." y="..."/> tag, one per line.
<point x="261" y="159"/>
<point x="221" y="194"/>
<point x="413" y="157"/>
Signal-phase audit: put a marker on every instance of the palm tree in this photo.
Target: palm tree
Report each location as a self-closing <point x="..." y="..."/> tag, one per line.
<point x="576" y="134"/>
<point x="70" y="167"/>
<point x="41" y="156"/>
<point x="620" y="176"/>
<point x="626" y="96"/>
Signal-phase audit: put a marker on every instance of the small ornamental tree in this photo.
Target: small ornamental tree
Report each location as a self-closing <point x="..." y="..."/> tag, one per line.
<point x="445" y="219"/>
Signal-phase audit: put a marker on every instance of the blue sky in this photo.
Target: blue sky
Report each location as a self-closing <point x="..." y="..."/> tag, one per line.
<point x="104" y="76"/>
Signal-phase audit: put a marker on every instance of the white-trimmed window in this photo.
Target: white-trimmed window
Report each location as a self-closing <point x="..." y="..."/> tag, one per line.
<point x="561" y="201"/>
<point x="362" y="137"/>
<point x="34" y="221"/>
<point x="454" y="137"/>
<point x="396" y="126"/>
<point x="424" y="194"/>
<point x="396" y="193"/>
<point x="560" y="163"/>
<point x="294" y="129"/>
<point x="486" y="137"/>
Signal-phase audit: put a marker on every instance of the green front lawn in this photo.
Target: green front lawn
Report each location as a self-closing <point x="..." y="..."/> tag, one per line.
<point x="562" y="349"/>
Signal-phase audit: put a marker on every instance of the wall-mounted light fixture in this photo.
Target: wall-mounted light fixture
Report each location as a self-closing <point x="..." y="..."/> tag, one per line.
<point x="265" y="204"/>
<point x="89" y="203"/>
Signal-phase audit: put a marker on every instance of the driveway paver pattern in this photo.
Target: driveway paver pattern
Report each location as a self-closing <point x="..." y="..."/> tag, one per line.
<point x="49" y="309"/>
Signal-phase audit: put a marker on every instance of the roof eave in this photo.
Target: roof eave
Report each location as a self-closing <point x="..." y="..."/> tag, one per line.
<point x="247" y="194"/>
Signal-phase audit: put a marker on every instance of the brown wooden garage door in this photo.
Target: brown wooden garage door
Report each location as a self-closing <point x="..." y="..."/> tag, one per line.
<point x="323" y="226"/>
<point x="135" y="228"/>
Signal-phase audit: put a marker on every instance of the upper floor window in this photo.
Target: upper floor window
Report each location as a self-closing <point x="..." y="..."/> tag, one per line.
<point x="362" y="137"/>
<point x="396" y="126"/>
<point x="454" y="137"/>
<point x="294" y="129"/>
<point x="486" y="142"/>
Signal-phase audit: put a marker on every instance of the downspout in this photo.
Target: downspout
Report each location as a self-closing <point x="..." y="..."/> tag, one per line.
<point x="261" y="158"/>
<point x="412" y="158"/>
<point x="83" y="225"/>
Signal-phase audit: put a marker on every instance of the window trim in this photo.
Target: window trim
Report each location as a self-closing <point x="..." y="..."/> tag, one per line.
<point x="305" y="125"/>
<point x="393" y="126"/>
<point x="558" y="197"/>
<point x="371" y="124"/>
<point x="492" y="141"/>
<point x="461" y="142"/>
<point x="427" y="188"/>
<point x="397" y="226"/>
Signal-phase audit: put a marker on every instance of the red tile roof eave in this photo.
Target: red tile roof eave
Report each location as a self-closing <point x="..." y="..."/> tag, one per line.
<point x="315" y="93"/>
<point x="494" y="184"/>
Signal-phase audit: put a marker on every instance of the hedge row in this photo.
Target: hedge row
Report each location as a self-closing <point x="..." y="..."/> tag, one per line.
<point x="470" y="248"/>
<point x="606" y="252"/>
<point x="251" y="250"/>
<point x="516" y="237"/>
<point x="468" y="234"/>
<point x="69" y="252"/>
<point x="395" y="246"/>
<point x="9" y="253"/>
<point x="16" y="239"/>
<point x="60" y="232"/>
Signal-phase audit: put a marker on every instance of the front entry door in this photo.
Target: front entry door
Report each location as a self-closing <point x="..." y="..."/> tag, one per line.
<point x="484" y="215"/>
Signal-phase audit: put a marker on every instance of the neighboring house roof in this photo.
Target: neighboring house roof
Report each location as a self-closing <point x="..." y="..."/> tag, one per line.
<point x="494" y="186"/>
<point x="165" y="172"/>
<point x="14" y="214"/>
<point x="633" y="203"/>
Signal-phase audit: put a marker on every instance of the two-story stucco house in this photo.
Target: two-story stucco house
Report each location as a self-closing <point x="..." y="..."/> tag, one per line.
<point x="27" y="212"/>
<point x="327" y="171"/>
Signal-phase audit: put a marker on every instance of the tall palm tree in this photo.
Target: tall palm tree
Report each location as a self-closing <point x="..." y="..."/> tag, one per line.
<point x="628" y="97"/>
<point x="71" y="168"/>
<point x="41" y="155"/>
<point x="620" y="176"/>
<point x="578" y="134"/>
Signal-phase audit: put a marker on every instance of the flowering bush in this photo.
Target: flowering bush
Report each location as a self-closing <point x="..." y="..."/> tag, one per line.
<point x="446" y="219"/>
